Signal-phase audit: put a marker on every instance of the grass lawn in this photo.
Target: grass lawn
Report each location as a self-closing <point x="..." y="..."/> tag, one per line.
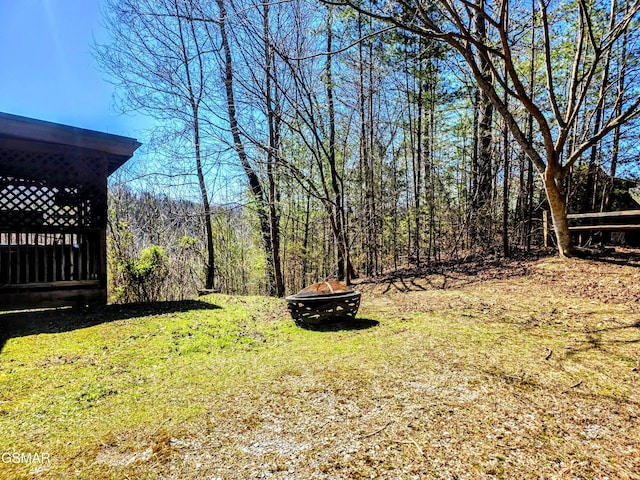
<point x="522" y="370"/>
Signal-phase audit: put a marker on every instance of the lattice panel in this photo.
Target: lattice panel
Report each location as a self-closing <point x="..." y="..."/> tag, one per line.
<point x="27" y="204"/>
<point x="40" y="190"/>
<point x="57" y="169"/>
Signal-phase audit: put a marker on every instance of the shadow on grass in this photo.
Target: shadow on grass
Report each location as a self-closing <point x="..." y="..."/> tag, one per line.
<point x="447" y="274"/>
<point x="23" y="323"/>
<point x="617" y="256"/>
<point x="340" y="325"/>
<point x="594" y="341"/>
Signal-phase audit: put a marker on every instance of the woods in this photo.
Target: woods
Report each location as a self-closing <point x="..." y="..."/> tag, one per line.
<point x="298" y="141"/>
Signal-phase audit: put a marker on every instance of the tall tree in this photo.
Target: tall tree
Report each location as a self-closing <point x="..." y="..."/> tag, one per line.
<point x="159" y="62"/>
<point x="268" y="224"/>
<point x="272" y="101"/>
<point x="334" y="173"/>
<point x="607" y="196"/>
<point x="482" y="159"/>
<point x="312" y="122"/>
<point x="594" y="161"/>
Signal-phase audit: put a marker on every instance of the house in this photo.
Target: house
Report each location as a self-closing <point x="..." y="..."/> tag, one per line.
<point x="53" y="212"/>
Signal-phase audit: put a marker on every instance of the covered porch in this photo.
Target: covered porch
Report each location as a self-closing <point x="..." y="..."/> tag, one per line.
<point x="53" y="212"/>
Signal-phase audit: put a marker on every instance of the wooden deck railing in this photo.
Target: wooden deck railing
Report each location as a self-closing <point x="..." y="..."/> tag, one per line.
<point x="48" y="258"/>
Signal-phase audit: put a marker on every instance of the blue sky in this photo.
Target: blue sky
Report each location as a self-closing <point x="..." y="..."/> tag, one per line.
<point x="47" y="68"/>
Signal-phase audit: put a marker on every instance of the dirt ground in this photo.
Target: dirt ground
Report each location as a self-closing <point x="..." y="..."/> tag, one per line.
<point x="532" y="373"/>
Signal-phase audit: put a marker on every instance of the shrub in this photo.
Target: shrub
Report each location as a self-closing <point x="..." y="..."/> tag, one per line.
<point x="143" y="278"/>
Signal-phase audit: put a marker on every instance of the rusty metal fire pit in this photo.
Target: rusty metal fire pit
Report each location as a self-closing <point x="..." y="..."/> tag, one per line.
<point x="323" y="302"/>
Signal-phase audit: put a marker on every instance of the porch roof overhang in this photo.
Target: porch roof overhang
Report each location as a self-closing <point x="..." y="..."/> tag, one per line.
<point x="115" y="148"/>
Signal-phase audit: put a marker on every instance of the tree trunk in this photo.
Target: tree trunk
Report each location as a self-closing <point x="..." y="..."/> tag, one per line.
<point x="557" y="205"/>
<point x="194" y="100"/>
<point x="607" y="197"/>
<point x="254" y="180"/>
<point x="505" y="188"/>
<point x="210" y="267"/>
<point x="417" y="171"/>
<point x="273" y="153"/>
<point x="483" y="175"/>
<point x="345" y="270"/>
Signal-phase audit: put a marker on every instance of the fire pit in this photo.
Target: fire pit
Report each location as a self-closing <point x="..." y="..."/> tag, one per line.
<point x="321" y="302"/>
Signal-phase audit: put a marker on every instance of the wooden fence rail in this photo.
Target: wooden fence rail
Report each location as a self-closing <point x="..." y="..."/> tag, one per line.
<point x="623" y="220"/>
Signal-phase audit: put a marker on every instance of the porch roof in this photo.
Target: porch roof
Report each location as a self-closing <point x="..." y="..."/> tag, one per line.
<point x="117" y="149"/>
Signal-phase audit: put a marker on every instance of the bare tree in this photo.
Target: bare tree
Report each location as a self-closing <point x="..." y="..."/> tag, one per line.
<point x="308" y="100"/>
<point x="159" y="60"/>
<point x="265" y="205"/>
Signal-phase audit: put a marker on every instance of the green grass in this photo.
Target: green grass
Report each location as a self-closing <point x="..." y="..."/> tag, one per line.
<point x="502" y="378"/>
